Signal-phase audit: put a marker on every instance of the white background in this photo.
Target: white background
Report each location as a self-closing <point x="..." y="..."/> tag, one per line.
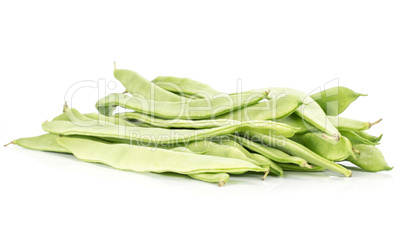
<point x="46" y="47"/>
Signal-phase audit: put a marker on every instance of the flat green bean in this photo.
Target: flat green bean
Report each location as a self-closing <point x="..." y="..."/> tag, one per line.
<point x="341" y="123"/>
<point x="185" y="86"/>
<point x="369" y="158"/>
<point x="346" y="124"/>
<point x="316" y="142"/>
<point x="356" y="139"/>
<point x="48" y="142"/>
<point x="144" y="159"/>
<point x="140" y="87"/>
<point x="335" y="100"/>
<point x="269" y="152"/>
<point x="274" y="108"/>
<point x="310" y="111"/>
<point x="292" y="167"/>
<point x="220" y="178"/>
<point x="258" y="159"/>
<point x="216" y="149"/>
<point x="175" y="123"/>
<point x="45" y="142"/>
<point x="73" y="115"/>
<point x="266" y="110"/>
<point x="190" y="109"/>
<point x="296" y="149"/>
<point x="160" y="135"/>
<point x="368" y="136"/>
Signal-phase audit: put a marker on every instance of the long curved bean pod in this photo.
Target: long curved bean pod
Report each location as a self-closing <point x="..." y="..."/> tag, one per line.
<point x="266" y="110"/>
<point x="315" y="141"/>
<point x="278" y="106"/>
<point x="335" y="100"/>
<point x="126" y="157"/>
<point x="296" y="149"/>
<point x="45" y="142"/>
<point x="258" y="159"/>
<point x="140" y="87"/>
<point x="227" y="140"/>
<point x="190" y="109"/>
<point x="270" y="153"/>
<point x="73" y="115"/>
<point x="109" y="120"/>
<point x="220" y="178"/>
<point x="369" y="158"/>
<point x="293" y="167"/>
<point x="356" y="139"/>
<point x="160" y="135"/>
<point x="295" y="120"/>
<point x="175" y="123"/>
<point x="310" y="111"/>
<point x="273" y="166"/>
<point x="215" y="149"/>
<point x="48" y="142"/>
<point x="368" y="136"/>
<point x="185" y="86"/>
<point x="341" y="123"/>
<point x="274" y="108"/>
<point x="346" y="124"/>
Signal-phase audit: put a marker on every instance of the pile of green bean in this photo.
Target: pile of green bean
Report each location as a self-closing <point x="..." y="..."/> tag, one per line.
<point x="180" y="125"/>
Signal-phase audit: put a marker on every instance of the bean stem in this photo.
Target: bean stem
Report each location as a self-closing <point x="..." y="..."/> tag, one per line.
<point x="12" y="142"/>
<point x="374" y="123"/>
<point x="265" y="174"/>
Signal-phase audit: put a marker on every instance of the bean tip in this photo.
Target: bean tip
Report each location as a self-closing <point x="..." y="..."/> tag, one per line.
<point x="355" y="151"/>
<point x="374" y="123"/>
<point x="221" y="183"/>
<point x="12" y="142"/>
<point x="265" y="175"/>
<point x="65" y="107"/>
<point x="305" y="164"/>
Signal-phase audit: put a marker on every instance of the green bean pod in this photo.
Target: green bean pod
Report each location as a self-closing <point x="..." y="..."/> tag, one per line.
<point x="368" y="136"/>
<point x="48" y="142"/>
<point x="216" y="149"/>
<point x="310" y="111"/>
<point x="270" y="153"/>
<point x="175" y="123"/>
<point x="318" y="143"/>
<point x="296" y="149"/>
<point x="189" y="109"/>
<point x="346" y="124"/>
<point x="44" y="142"/>
<point x="185" y="86"/>
<point x="274" y="108"/>
<point x="335" y="100"/>
<point x="369" y="158"/>
<point x="145" y="159"/>
<point x="220" y="178"/>
<point x="140" y="87"/>
<point x="257" y="158"/>
<point x="356" y="139"/>
<point x="341" y="123"/>
<point x="265" y="110"/>
<point x="274" y="168"/>
<point x="292" y="167"/>
<point x="160" y="135"/>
